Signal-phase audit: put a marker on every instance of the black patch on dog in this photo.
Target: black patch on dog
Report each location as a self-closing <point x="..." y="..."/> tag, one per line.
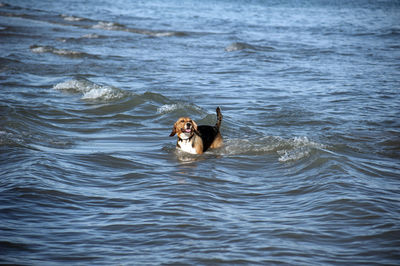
<point x="207" y="134"/>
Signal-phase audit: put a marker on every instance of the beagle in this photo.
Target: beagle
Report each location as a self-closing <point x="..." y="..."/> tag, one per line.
<point x="197" y="139"/>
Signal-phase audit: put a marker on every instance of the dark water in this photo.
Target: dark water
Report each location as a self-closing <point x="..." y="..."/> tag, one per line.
<point x="309" y="174"/>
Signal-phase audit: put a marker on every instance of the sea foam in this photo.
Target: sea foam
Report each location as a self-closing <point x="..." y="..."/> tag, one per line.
<point x="288" y="149"/>
<point x="168" y="108"/>
<point x="71" y="18"/>
<point x="109" y="26"/>
<point x="298" y="148"/>
<point x="62" y="52"/>
<point x="91" y="90"/>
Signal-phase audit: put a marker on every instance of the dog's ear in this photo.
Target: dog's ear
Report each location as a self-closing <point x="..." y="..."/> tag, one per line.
<point x="195" y="128"/>
<point x="194" y="125"/>
<point x="173" y="132"/>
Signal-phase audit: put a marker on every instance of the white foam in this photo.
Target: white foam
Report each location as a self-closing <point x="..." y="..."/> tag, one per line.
<point x="163" y="34"/>
<point x="104" y="93"/>
<point x="299" y="147"/>
<point x="41" y="49"/>
<point x="71" y="18"/>
<point x="49" y="49"/>
<point x="108" y="26"/>
<point x="287" y="149"/>
<point x="66" y="52"/>
<point x="168" y="108"/>
<point x="90" y="90"/>
<point x="91" y="36"/>
<point x="251" y="146"/>
<point x="74" y="85"/>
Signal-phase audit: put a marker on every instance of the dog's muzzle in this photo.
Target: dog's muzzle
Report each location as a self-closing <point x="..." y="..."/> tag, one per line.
<point x="188" y="128"/>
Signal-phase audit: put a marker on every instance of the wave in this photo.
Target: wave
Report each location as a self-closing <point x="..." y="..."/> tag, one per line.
<point x="112" y="26"/>
<point x="9" y="139"/>
<point x="82" y="38"/>
<point x="92" y="36"/>
<point x="390" y="32"/>
<point x="288" y="149"/>
<point x="91" y="91"/>
<point x="169" y="108"/>
<point x="33" y="138"/>
<point x="165" y="33"/>
<point x="62" y="52"/>
<point x="109" y="26"/>
<point x="81" y="22"/>
<point x="237" y="46"/>
<point x="298" y="148"/>
<point x="72" y="18"/>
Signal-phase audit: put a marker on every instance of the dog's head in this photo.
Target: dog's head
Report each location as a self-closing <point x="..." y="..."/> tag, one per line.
<point x="184" y="127"/>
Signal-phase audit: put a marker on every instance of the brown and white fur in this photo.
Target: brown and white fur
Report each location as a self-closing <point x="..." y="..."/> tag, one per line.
<point x="197" y="139"/>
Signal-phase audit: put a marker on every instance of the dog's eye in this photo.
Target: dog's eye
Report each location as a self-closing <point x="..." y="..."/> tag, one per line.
<point x="182" y="121"/>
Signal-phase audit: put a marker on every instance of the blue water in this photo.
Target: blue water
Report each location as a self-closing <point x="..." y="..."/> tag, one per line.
<point x="309" y="172"/>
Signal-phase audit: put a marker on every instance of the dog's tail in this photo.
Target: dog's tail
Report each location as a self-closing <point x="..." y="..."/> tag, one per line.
<point x="219" y="118"/>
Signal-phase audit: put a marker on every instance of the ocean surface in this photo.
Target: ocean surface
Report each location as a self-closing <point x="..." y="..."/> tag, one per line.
<point x="309" y="173"/>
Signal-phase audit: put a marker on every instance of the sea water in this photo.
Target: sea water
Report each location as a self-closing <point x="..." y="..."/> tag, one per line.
<point x="309" y="172"/>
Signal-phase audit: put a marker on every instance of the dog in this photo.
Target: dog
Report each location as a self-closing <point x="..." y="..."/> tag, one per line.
<point x="197" y="139"/>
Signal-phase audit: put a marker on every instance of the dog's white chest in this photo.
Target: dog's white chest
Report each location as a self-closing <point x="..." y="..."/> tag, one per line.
<point x="186" y="146"/>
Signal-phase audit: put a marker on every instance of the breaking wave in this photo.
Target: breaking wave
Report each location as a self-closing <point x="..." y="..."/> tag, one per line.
<point x="91" y="91"/>
<point x="169" y="108"/>
<point x="288" y="149"/>
<point x="108" y="26"/>
<point x="62" y="52"/>
<point x="72" y="18"/>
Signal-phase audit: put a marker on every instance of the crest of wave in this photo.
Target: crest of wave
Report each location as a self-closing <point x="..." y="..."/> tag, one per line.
<point x="90" y="90"/>
<point x="168" y="108"/>
<point x="62" y="52"/>
<point x="288" y="149"/>
<point x="71" y="18"/>
<point x="108" y="26"/>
